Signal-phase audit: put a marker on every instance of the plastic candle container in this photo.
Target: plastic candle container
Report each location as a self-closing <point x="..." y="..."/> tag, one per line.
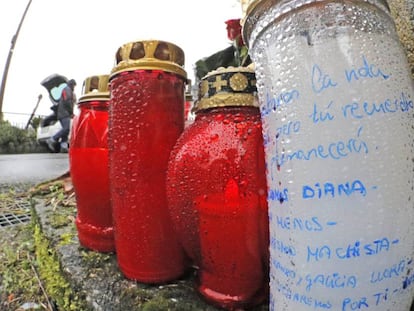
<point x="88" y="155"/>
<point x="336" y="101"/>
<point x="145" y="120"/>
<point x="216" y="188"/>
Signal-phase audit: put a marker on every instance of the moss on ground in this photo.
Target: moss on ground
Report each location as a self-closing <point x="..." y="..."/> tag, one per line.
<point x="50" y="271"/>
<point x="18" y="278"/>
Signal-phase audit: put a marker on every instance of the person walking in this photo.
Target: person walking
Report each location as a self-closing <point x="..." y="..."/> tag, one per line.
<point x="64" y="115"/>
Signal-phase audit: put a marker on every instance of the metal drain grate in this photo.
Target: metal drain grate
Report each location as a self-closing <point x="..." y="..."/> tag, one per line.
<point x="22" y="204"/>
<point x="11" y="219"/>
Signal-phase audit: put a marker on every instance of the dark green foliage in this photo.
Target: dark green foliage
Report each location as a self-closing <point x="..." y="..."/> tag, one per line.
<point x="9" y="133"/>
<point x="35" y="123"/>
<point x="224" y="58"/>
<point x="16" y="140"/>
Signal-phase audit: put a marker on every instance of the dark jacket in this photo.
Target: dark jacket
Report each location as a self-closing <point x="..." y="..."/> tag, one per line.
<point x="66" y="102"/>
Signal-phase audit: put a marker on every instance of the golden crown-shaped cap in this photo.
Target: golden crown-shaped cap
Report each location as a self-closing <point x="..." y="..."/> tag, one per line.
<point x="95" y="88"/>
<point x="150" y="55"/>
<point x="232" y="86"/>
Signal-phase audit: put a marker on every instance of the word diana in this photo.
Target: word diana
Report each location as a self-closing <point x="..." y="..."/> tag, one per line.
<point x="332" y="150"/>
<point x="329" y="189"/>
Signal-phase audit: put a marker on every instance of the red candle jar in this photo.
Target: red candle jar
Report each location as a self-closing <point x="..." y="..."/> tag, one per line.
<point x="216" y="188"/>
<point x="88" y="156"/>
<point x="145" y="120"/>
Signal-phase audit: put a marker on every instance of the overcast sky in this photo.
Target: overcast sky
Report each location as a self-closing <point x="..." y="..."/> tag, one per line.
<point x="79" y="38"/>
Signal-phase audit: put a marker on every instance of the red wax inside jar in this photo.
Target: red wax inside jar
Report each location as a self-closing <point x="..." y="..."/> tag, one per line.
<point x="230" y="273"/>
<point x="89" y="171"/>
<point x="146" y="119"/>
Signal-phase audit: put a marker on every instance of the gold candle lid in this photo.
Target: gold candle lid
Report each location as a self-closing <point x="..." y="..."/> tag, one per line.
<point x="150" y="55"/>
<point x="95" y="88"/>
<point x="232" y="86"/>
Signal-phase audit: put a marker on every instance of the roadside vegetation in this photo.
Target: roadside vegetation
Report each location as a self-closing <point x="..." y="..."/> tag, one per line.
<point x="17" y="140"/>
<point x="20" y="285"/>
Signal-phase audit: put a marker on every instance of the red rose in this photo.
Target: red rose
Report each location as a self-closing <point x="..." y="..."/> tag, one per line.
<point x="234" y="31"/>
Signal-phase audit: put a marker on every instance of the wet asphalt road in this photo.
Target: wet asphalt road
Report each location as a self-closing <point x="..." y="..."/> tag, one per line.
<point x="32" y="168"/>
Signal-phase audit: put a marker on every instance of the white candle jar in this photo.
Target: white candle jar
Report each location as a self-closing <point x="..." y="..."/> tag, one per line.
<point x="336" y="100"/>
